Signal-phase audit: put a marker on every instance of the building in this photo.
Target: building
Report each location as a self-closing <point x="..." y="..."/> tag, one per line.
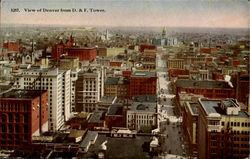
<point x="57" y="82"/>
<point x="68" y="62"/>
<point x="190" y="125"/>
<point x="123" y="88"/>
<point x="223" y="130"/>
<point x="142" y="83"/>
<point x="105" y="102"/>
<point x="84" y="54"/>
<point x="115" y="51"/>
<point x="175" y="63"/>
<point x="11" y="46"/>
<point x="115" y="117"/>
<point x="96" y="120"/>
<point x="71" y="63"/>
<point x="115" y="64"/>
<point x="142" y="114"/>
<point x="111" y="86"/>
<point x="79" y="121"/>
<point x="23" y="113"/>
<point x="242" y="88"/>
<point x="66" y="94"/>
<point x="89" y="90"/>
<point x="163" y="40"/>
<point x="58" y="50"/>
<point x="101" y="51"/>
<point x="147" y="47"/>
<point x="208" y="88"/>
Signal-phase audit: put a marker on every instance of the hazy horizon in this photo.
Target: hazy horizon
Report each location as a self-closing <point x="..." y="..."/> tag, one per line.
<point x="128" y="13"/>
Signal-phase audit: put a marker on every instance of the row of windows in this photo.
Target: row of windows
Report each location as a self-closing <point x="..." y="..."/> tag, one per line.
<point x="16" y="118"/>
<point x="238" y="124"/>
<point x="15" y="107"/>
<point x="14" y="129"/>
<point x="230" y="138"/>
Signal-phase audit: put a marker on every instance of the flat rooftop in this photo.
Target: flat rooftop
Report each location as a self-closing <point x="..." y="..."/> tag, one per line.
<point x="107" y="99"/>
<point x="143" y="74"/>
<point x="115" y="110"/>
<point x="22" y="94"/>
<point x="202" y="84"/>
<point x="143" y="107"/>
<point x="118" y="148"/>
<point x="97" y="117"/>
<point x="112" y="80"/>
<point x="145" y="98"/>
<point x="212" y="106"/>
<point x="194" y="107"/>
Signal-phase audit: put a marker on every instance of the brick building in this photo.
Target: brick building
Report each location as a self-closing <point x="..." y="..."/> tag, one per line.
<point x="142" y="83"/>
<point x="223" y="130"/>
<point x="242" y="88"/>
<point x="208" y="88"/>
<point x="177" y="72"/>
<point x="59" y="49"/>
<point x="102" y="51"/>
<point x="11" y="46"/>
<point x="23" y="114"/>
<point x="190" y="125"/>
<point x="147" y="47"/>
<point x="84" y="54"/>
<point x="115" y="117"/>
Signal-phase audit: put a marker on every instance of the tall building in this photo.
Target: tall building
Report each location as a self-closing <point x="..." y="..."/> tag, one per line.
<point x="142" y="83"/>
<point x="89" y="90"/>
<point x="223" y="130"/>
<point x="71" y="63"/>
<point x="58" y="85"/>
<point x="23" y="113"/>
<point x="190" y="125"/>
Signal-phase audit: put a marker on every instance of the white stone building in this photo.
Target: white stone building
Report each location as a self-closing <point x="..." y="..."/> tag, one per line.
<point x="89" y="90"/>
<point x="58" y="85"/>
<point x="142" y="112"/>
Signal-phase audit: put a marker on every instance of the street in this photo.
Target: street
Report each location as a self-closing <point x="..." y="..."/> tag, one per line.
<point x="169" y="125"/>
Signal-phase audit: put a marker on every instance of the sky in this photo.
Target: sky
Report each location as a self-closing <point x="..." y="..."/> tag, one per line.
<point x="150" y="13"/>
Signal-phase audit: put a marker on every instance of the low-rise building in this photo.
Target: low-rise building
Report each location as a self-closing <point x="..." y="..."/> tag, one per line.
<point x="207" y="88"/>
<point x="142" y="114"/>
<point x="115" y="117"/>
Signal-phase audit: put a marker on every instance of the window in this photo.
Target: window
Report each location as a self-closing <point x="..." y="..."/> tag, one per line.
<point x="223" y="123"/>
<point x="3" y="118"/>
<point x="17" y="129"/>
<point x="25" y="128"/>
<point x="17" y="118"/>
<point x="10" y="128"/>
<point x="10" y="118"/>
<point x="3" y="128"/>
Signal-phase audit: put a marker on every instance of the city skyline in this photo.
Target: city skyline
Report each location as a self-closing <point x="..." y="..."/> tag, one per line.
<point x="181" y="13"/>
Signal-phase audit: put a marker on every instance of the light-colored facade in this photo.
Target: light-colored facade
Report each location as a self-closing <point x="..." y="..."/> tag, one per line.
<point x="223" y="129"/>
<point x="89" y="90"/>
<point x="142" y="113"/>
<point x="58" y="85"/>
<point x="175" y="63"/>
<point x="114" y="51"/>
